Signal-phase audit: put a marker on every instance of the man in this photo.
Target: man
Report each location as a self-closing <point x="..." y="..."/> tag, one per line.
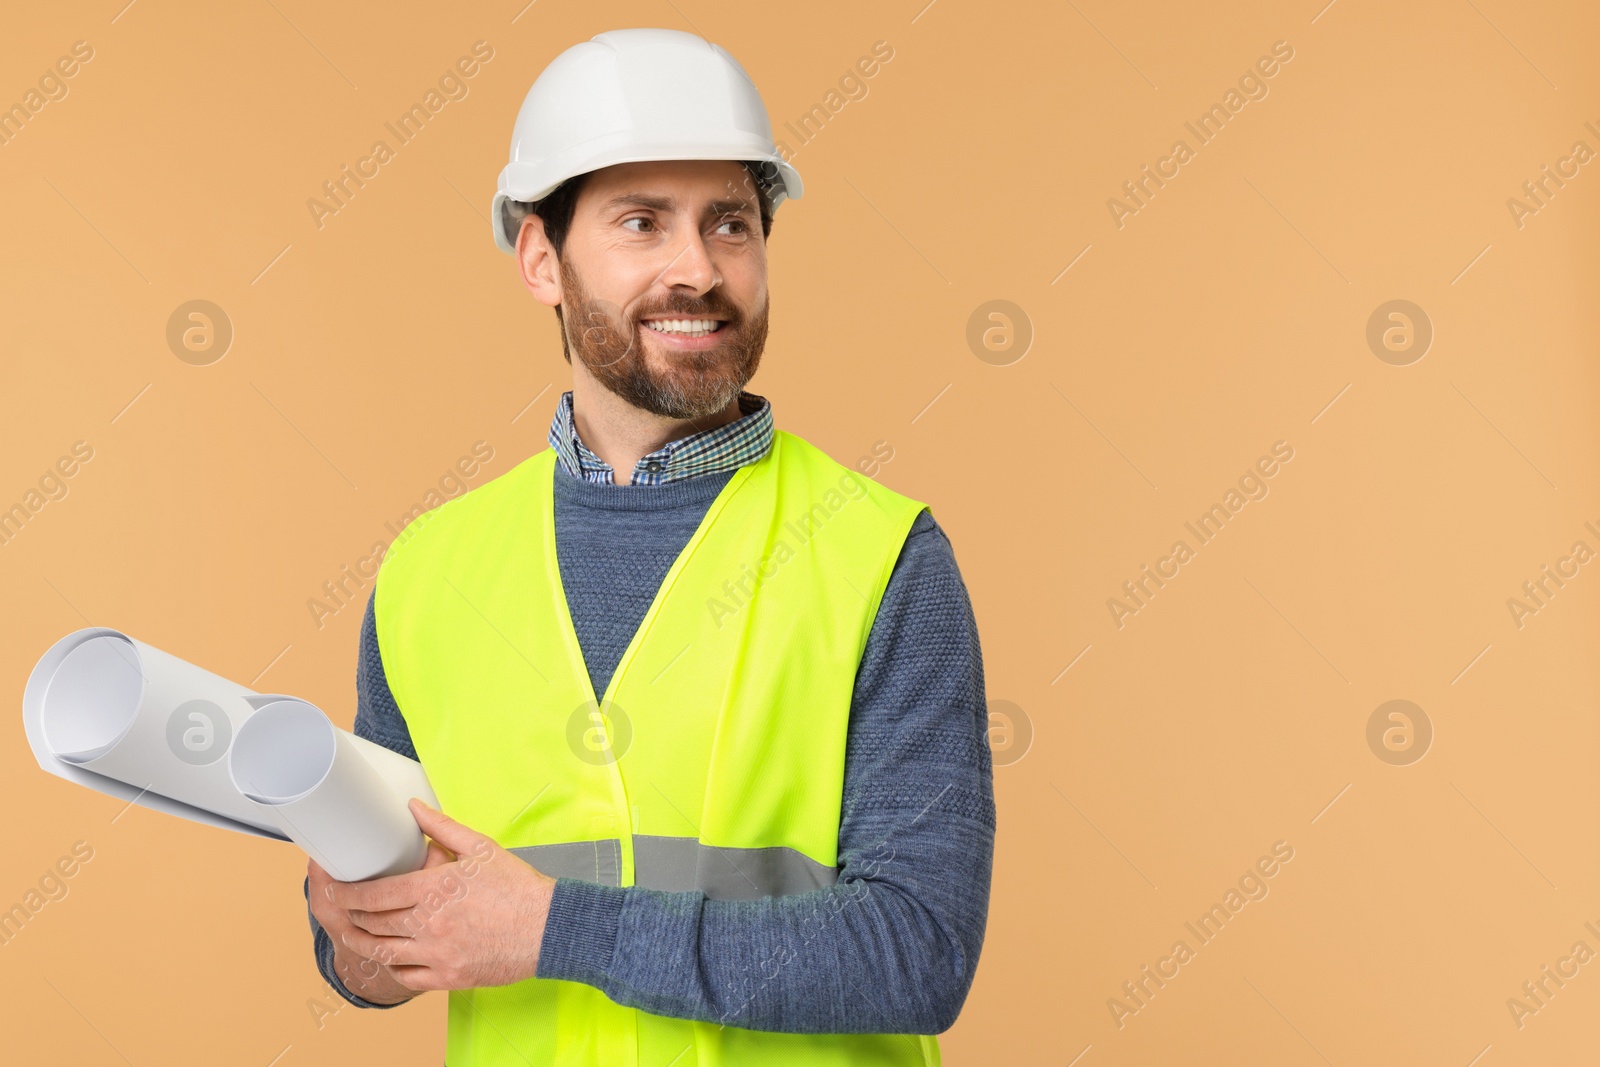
<point x="712" y="735"/>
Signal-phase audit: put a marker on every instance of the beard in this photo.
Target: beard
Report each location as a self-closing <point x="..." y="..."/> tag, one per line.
<point x="693" y="384"/>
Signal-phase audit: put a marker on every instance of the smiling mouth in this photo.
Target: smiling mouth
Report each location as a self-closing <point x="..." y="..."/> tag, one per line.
<point x="685" y="327"/>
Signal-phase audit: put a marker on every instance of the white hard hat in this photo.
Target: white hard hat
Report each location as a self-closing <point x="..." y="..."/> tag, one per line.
<point x="625" y="96"/>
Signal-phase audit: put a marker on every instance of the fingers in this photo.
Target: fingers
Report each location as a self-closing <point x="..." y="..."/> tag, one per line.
<point x="419" y="978"/>
<point x="333" y="918"/>
<point x="379" y="894"/>
<point x="389" y="951"/>
<point x="400" y="890"/>
<point x="442" y="828"/>
<point x="316" y="878"/>
<point x="401" y="922"/>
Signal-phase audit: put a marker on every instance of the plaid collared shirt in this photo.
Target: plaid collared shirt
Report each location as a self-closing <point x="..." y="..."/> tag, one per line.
<point x="744" y="440"/>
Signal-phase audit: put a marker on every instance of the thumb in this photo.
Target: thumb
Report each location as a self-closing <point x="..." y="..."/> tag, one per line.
<point x="454" y="836"/>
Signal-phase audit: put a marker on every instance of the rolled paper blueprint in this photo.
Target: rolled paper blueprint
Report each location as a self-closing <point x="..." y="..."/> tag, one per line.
<point x="114" y="714"/>
<point x="324" y="792"/>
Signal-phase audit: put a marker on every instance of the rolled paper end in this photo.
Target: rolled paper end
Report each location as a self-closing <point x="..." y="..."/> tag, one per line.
<point x="108" y="712"/>
<point x="283" y="752"/>
<point x="318" y="783"/>
<point x="88" y="687"/>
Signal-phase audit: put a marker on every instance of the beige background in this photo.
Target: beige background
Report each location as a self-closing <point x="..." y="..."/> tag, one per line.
<point x="1229" y="313"/>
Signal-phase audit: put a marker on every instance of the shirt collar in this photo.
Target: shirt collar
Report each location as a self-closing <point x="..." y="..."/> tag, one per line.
<point x="744" y="440"/>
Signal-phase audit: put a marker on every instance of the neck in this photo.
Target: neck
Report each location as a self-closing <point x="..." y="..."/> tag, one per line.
<point x="622" y="434"/>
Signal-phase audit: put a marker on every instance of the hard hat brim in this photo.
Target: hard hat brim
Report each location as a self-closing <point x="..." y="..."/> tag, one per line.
<point x="529" y="183"/>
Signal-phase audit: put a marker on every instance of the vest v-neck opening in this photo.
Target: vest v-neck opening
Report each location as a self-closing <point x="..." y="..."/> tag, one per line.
<point x="694" y="491"/>
<point x="619" y="497"/>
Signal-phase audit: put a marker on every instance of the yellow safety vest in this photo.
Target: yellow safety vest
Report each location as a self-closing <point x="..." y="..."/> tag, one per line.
<point x="715" y="760"/>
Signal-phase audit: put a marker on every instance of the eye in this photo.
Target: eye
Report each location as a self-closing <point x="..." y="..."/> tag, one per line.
<point x="638" y="218"/>
<point x="734" y="220"/>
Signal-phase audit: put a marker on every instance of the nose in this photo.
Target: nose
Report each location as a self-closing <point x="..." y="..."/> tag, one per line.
<point x="691" y="266"/>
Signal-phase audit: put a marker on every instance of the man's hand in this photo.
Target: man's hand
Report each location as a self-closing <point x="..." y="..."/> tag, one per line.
<point x="366" y="978"/>
<point x="475" y="920"/>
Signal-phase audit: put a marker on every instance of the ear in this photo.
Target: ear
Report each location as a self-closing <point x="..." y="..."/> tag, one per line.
<point x="541" y="272"/>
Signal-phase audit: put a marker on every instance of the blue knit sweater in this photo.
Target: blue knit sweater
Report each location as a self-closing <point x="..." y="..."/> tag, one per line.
<point x="893" y="947"/>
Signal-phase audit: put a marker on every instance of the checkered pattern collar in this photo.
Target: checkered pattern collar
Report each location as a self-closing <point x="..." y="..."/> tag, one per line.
<point x="744" y="440"/>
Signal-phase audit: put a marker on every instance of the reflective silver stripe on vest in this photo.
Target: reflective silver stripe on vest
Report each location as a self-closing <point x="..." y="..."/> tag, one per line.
<point x="592" y="861"/>
<point x="681" y="863"/>
<point x="678" y="864"/>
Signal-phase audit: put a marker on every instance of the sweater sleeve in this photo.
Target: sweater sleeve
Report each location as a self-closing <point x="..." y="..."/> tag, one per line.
<point x="893" y="946"/>
<point x="378" y="719"/>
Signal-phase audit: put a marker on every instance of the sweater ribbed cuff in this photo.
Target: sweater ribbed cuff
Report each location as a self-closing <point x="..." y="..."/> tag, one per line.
<point x="580" y="933"/>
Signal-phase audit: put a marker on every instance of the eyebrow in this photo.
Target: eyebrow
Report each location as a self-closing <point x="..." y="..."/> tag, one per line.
<point x="667" y="204"/>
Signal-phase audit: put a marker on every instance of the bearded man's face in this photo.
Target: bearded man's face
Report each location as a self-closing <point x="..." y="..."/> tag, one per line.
<point x="656" y="253"/>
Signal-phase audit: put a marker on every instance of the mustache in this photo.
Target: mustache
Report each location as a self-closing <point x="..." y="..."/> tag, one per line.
<point x="704" y="309"/>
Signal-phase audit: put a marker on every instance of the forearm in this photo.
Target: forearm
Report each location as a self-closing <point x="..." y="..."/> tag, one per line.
<point x="889" y="951"/>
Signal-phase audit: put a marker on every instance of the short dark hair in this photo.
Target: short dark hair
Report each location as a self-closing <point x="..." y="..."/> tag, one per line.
<point x="557" y="207"/>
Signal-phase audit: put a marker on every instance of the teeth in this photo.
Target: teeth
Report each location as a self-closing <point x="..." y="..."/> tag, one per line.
<point x="690" y="327"/>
